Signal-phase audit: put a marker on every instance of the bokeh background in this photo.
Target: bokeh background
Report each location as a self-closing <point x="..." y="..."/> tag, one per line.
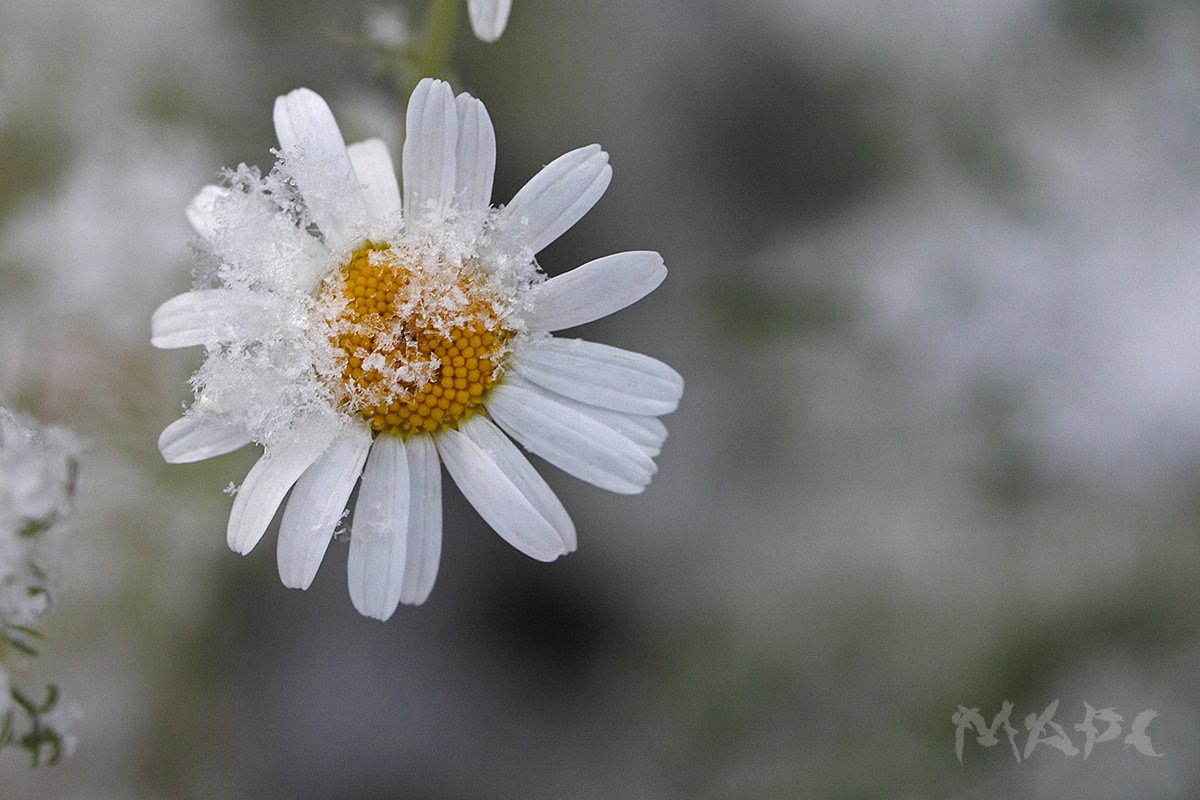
<point x="934" y="288"/>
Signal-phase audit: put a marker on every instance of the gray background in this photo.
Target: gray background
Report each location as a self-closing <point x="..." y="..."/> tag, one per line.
<point x="934" y="288"/>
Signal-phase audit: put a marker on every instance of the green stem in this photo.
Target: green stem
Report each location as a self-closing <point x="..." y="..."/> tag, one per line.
<point x="431" y="58"/>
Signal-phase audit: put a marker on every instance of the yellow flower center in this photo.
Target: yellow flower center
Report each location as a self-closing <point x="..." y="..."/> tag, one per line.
<point x="418" y="347"/>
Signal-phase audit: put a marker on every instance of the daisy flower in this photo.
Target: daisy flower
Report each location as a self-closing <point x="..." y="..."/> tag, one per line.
<point x="488" y="17"/>
<point x="358" y="331"/>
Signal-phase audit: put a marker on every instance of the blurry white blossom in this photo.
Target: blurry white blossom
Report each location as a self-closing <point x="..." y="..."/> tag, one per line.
<point x="113" y="207"/>
<point x="387" y="26"/>
<point x="37" y="479"/>
<point x="37" y="484"/>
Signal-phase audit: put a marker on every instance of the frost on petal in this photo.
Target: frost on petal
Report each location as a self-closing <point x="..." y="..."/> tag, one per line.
<point x="205" y="316"/>
<point x="262" y="240"/>
<point x="315" y="154"/>
<point x="267" y="348"/>
<point x="202" y="211"/>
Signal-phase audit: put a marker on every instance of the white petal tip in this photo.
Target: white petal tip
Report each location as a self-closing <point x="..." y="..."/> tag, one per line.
<point x="185" y="442"/>
<point x="241" y="548"/>
<point x="301" y="94"/>
<point x="380" y="614"/>
<point x="295" y="579"/>
<point x="489" y="18"/>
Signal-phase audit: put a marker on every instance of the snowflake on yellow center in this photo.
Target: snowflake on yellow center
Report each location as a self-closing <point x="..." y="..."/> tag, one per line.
<point x="419" y="348"/>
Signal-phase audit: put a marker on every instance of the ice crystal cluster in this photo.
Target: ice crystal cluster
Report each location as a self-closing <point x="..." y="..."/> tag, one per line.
<point x="277" y="357"/>
<point x="37" y="478"/>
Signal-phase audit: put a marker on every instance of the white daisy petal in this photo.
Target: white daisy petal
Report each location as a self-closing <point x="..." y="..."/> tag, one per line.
<point x="646" y="432"/>
<point x="600" y="375"/>
<point x="430" y="141"/>
<point x="475" y="161"/>
<point x="424" y="541"/>
<point x="523" y="475"/>
<point x="199" y="317"/>
<point x="506" y="490"/>
<point x="376" y="566"/>
<point x="309" y="135"/>
<point x="595" y="290"/>
<point x="377" y="176"/>
<point x="201" y="212"/>
<point x="264" y="487"/>
<point x="488" y="17"/>
<point x="570" y="440"/>
<point x="316" y="505"/>
<point x="558" y="196"/>
<point x="187" y="440"/>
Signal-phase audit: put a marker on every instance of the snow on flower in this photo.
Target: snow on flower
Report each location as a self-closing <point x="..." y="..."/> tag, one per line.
<point x="37" y="480"/>
<point x="37" y="486"/>
<point x="358" y="331"/>
<point x="488" y="17"/>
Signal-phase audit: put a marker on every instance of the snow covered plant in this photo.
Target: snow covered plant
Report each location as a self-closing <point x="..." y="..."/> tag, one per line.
<point x="37" y="477"/>
<point x="357" y="330"/>
<point x="488" y="17"/>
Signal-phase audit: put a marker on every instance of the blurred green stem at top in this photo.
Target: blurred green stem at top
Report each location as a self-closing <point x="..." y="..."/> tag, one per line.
<point x="430" y="58"/>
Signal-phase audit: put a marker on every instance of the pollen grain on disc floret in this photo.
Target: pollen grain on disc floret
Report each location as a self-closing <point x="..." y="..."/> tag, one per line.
<point x="419" y="337"/>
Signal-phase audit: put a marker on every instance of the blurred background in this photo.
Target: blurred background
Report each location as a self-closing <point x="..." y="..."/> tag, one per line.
<point x="934" y="288"/>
